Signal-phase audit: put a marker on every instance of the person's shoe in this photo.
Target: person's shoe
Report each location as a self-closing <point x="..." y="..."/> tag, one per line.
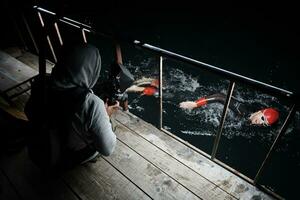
<point x="91" y="158"/>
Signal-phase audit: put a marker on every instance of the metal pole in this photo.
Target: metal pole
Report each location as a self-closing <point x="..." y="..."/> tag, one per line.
<point x="227" y="74"/>
<point x="124" y="102"/>
<point x="42" y="54"/>
<point x="275" y="143"/>
<point x="219" y="133"/>
<point x="42" y="66"/>
<point x="118" y="53"/>
<point x="58" y="34"/>
<point x="160" y="92"/>
<point x="51" y="48"/>
<point x="47" y="36"/>
<point x="83" y="35"/>
<point x="216" y="70"/>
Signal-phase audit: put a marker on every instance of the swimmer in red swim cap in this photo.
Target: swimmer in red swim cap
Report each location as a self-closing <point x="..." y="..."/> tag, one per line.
<point x="145" y="86"/>
<point x="266" y="117"/>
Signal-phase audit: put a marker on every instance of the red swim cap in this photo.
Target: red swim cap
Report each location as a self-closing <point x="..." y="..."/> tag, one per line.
<point x="271" y="115"/>
<point x="149" y="91"/>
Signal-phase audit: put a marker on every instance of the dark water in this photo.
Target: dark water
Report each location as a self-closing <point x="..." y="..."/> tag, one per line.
<point x="242" y="146"/>
<point x="265" y="55"/>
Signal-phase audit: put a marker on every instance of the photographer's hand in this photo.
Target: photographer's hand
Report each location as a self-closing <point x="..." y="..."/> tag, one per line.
<point x="111" y="109"/>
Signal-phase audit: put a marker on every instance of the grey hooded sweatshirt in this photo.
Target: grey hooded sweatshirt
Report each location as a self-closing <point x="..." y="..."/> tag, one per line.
<point x="79" y="68"/>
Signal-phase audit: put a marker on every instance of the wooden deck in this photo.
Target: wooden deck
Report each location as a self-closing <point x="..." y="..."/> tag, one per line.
<point x="146" y="164"/>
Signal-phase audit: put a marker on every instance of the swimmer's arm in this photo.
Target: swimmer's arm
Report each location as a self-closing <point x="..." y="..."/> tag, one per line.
<point x="188" y="105"/>
<point x="135" y="88"/>
<point x="143" y="80"/>
<point x="193" y="104"/>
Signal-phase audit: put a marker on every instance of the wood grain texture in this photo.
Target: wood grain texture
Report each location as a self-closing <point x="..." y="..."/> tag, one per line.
<point x="179" y="172"/>
<point x="152" y="180"/>
<point x="100" y="180"/>
<point x="12" y="71"/>
<point x="226" y="180"/>
<point x="29" y="182"/>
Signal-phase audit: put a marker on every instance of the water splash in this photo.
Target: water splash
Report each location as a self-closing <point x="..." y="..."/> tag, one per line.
<point x="180" y="86"/>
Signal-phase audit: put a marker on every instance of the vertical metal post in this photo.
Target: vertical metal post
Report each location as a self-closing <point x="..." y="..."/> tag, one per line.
<point x="275" y="143"/>
<point x="58" y="34"/>
<point x="47" y="36"/>
<point x="42" y="54"/>
<point x="42" y="66"/>
<point x="160" y="92"/>
<point x="51" y="48"/>
<point x="124" y="102"/>
<point x="83" y="35"/>
<point x="219" y="133"/>
<point x="118" y="53"/>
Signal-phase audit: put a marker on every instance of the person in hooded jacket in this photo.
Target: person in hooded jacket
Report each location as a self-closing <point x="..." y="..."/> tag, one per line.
<point x="73" y="109"/>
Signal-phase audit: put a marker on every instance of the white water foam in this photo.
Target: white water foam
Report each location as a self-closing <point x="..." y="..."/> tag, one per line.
<point x="181" y="86"/>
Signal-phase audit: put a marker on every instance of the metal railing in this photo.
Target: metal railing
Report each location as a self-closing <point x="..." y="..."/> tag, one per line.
<point x="233" y="77"/>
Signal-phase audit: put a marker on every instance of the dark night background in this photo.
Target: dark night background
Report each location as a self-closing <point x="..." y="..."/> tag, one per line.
<point x="258" y="39"/>
<point x="221" y="29"/>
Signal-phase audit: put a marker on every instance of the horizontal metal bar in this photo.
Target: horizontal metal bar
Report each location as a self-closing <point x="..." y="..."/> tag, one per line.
<point x="227" y="74"/>
<point x="76" y="22"/>
<point x="246" y="178"/>
<point x="69" y="23"/>
<point x="223" y="72"/>
<point x="237" y="173"/>
<point x="44" y="10"/>
<point x="242" y="176"/>
<point x="19" y="84"/>
<point x="66" y="19"/>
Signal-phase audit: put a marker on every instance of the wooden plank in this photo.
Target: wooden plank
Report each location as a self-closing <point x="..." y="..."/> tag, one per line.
<point x="33" y="61"/>
<point x="14" y="51"/>
<point x="21" y="100"/>
<point x="16" y="108"/>
<point x="28" y="58"/>
<point x="146" y="176"/>
<point x="181" y="173"/>
<point x="29" y="182"/>
<point x="226" y="180"/>
<point x="12" y="71"/>
<point x="7" y="192"/>
<point x="100" y="180"/>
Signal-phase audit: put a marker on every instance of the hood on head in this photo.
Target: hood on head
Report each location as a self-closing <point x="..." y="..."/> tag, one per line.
<point x="77" y="66"/>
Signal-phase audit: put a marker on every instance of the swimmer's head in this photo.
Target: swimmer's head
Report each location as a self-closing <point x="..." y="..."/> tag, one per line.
<point x="150" y="91"/>
<point x="266" y="117"/>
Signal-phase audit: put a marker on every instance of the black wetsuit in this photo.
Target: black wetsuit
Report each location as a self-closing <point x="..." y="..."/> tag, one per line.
<point x="235" y="105"/>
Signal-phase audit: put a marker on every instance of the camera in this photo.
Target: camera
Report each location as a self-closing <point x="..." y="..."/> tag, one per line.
<point x="114" y="88"/>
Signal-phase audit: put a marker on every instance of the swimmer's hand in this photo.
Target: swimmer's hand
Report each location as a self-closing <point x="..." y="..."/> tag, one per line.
<point x="188" y="105"/>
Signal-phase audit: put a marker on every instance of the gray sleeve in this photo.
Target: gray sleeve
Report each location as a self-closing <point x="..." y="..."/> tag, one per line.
<point x="100" y="127"/>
